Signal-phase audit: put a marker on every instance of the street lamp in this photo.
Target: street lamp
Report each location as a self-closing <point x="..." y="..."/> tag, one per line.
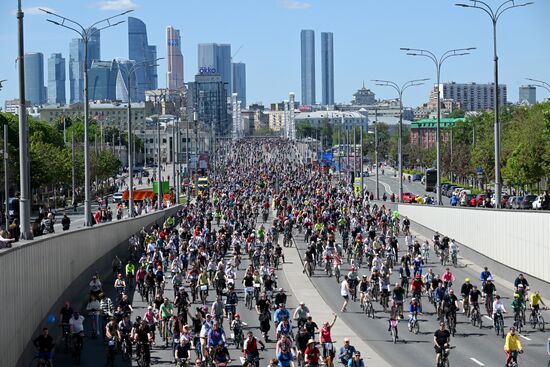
<point x="438" y="61"/>
<point x="130" y="139"/>
<point x="495" y="15"/>
<point x="85" y="34"/>
<point x="400" y="90"/>
<point x="540" y="84"/>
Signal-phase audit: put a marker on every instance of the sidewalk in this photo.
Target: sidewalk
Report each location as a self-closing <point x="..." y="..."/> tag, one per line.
<point x="304" y="290"/>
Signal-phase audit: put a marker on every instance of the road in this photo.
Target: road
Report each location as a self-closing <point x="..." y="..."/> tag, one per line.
<point x="474" y="346"/>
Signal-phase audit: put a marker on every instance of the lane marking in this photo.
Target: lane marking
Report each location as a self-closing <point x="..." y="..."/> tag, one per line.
<point x="473" y="359"/>
<point x="488" y="318"/>
<point x="242" y="360"/>
<point x="524" y="337"/>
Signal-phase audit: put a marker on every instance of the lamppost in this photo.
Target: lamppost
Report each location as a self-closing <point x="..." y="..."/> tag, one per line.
<point x="495" y="14"/>
<point x="540" y="84"/>
<point x="85" y="34"/>
<point x="438" y="61"/>
<point x="400" y="90"/>
<point x="131" y="151"/>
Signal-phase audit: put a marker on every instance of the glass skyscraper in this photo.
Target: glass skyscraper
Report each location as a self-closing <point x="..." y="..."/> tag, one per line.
<point x="174" y="59"/>
<point x="207" y="96"/>
<point x="327" y="68"/>
<point x="34" y="78"/>
<point x="308" y="66"/>
<point x="76" y="71"/>
<point x="94" y="46"/>
<point x="214" y="58"/>
<point x="139" y="51"/>
<point x="56" y="79"/>
<point x="102" y="78"/>
<point x="239" y="81"/>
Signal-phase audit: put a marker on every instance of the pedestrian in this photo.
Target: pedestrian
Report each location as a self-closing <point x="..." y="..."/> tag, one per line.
<point x="65" y="222"/>
<point x="344" y="292"/>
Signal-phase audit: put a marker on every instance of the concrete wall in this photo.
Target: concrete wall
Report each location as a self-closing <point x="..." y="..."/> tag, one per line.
<point x="34" y="275"/>
<point x="517" y="239"/>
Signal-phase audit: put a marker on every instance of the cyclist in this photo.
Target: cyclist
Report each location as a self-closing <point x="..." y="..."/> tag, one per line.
<point x="120" y="285"/>
<point x="356" y="361"/>
<point x="447" y="278"/>
<point x="300" y="314"/>
<point x="474" y="297"/>
<point x="326" y="338"/>
<point x="284" y="328"/>
<point x="231" y="300"/>
<point x="498" y="309"/>
<point x="415" y="309"/>
<point x="465" y="293"/>
<point x="112" y="331"/>
<point x="363" y="290"/>
<point x="346" y="352"/>
<point x="521" y="280"/>
<point x="416" y="286"/>
<point x="216" y="335"/>
<point x="398" y="297"/>
<point x="76" y="324"/>
<point x="65" y="316"/>
<point x="485" y="275"/>
<point x="130" y="270"/>
<point x="512" y="346"/>
<point x="534" y="300"/>
<point x="450" y="305"/>
<point x="143" y="336"/>
<point x="442" y="340"/>
<point x="311" y="354"/>
<point x="439" y="295"/>
<point x="393" y="317"/>
<point x="250" y="349"/>
<point x="45" y="344"/>
<point x="280" y="314"/>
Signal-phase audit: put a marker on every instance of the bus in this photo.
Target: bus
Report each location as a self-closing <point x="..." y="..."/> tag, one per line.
<point x="430" y="180"/>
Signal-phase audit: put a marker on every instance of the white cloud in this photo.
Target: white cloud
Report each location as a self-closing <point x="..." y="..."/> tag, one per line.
<point x="296" y="5"/>
<point x="117" y="5"/>
<point x="35" y="10"/>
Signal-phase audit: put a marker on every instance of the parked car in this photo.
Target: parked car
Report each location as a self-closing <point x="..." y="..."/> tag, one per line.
<point x="537" y="203"/>
<point x="409" y="197"/>
<point x="449" y="191"/>
<point x="117" y="197"/>
<point x="527" y="202"/>
<point x="516" y="202"/>
<point x="417" y="177"/>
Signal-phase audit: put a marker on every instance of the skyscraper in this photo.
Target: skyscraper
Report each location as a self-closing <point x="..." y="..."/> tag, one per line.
<point x="174" y="59"/>
<point x="94" y="46"/>
<point x="34" y="78"/>
<point x="239" y="81"/>
<point x="76" y="71"/>
<point x="102" y="78"/>
<point x="124" y="67"/>
<point x="215" y="58"/>
<point x="56" y="79"/>
<point x="139" y="51"/>
<point x="207" y="96"/>
<point x="308" y="67"/>
<point x="327" y="68"/>
<point x="527" y="94"/>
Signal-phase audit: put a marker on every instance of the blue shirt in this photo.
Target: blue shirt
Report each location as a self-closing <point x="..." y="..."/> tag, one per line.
<point x="346" y="353"/>
<point x="352" y="363"/>
<point x="279" y="315"/>
<point x="285" y="358"/>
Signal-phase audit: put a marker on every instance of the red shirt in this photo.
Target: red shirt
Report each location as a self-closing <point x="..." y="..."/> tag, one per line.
<point x="312" y="354"/>
<point x="325" y="335"/>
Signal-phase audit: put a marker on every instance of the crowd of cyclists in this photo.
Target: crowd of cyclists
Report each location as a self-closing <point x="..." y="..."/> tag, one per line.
<point x="221" y="253"/>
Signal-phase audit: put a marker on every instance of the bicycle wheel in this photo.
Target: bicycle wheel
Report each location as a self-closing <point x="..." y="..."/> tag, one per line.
<point x="416" y="327"/>
<point x="393" y="335"/>
<point x="533" y="321"/>
<point x="541" y="323"/>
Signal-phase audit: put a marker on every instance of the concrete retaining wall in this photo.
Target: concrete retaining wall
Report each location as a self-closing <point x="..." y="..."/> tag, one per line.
<point x="517" y="239"/>
<point x="34" y="275"/>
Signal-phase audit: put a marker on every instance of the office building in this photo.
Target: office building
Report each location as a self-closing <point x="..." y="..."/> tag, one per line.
<point x="308" y="67"/>
<point x="473" y="96"/>
<point x="317" y="118"/>
<point x="174" y="59"/>
<point x="140" y="51"/>
<point x="239" y="81"/>
<point x="214" y="58"/>
<point x="34" y="78"/>
<point x="124" y="66"/>
<point x="207" y="96"/>
<point x="102" y="79"/>
<point x="94" y="46"/>
<point x="527" y="95"/>
<point x="424" y="132"/>
<point x="56" y="79"/>
<point x="76" y="71"/>
<point x="327" y="68"/>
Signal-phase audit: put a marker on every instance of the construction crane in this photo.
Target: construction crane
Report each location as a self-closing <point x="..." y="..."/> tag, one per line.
<point x="236" y="52"/>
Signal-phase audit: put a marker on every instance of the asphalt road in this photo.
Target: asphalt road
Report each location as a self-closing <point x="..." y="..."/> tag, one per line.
<point x="474" y="346"/>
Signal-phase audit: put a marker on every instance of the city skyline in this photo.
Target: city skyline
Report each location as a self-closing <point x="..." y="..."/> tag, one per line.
<point x="174" y="59"/>
<point x="522" y="50"/>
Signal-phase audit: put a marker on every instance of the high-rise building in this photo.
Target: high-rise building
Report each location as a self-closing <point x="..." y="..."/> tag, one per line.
<point x="327" y="68"/>
<point x="214" y="58"/>
<point x="102" y="78"/>
<point x="174" y="59"/>
<point x="207" y="96"/>
<point x="76" y="71"/>
<point x="239" y="81"/>
<point x="56" y="79"/>
<point x="308" y="67"/>
<point x="527" y="95"/>
<point x="140" y="51"/>
<point x="34" y="78"/>
<point x="122" y="92"/>
<point x="94" y="46"/>
<point x="473" y="96"/>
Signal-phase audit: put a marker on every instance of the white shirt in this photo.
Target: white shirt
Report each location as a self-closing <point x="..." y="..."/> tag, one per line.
<point x="77" y="325"/>
<point x="344" y="288"/>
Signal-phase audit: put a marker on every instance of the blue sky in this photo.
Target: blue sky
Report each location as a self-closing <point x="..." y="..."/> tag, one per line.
<point x="367" y="37"/>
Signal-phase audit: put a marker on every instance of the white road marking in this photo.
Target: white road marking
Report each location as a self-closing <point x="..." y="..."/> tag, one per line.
<point x="242" y="360"/>
<point x="524" y="337"/>
<point x="487" y="317"/>
<point x="477" y="362"/>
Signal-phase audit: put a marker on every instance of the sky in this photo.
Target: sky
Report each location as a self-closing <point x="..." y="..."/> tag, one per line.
<point x="367" y="38"/>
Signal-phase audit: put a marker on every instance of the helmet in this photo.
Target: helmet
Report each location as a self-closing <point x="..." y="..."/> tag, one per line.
<point x="467" y="280"/>
<point x="516" y="296"/>
<point x="520" y="285"/>
<point x="237" y="315"/>
<point x="413" y="299"/>
<point x="364" y="275"/>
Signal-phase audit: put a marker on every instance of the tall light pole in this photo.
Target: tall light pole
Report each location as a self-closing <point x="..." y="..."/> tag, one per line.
<point x="495" y="14"/>
<point x="438" y="61"/>
<point x="131" y="151"/>
<point x="400" y="90"/>
<point x="540" y="84"/>
<point x="85" y="34"/>
<point x="24" y="167"/>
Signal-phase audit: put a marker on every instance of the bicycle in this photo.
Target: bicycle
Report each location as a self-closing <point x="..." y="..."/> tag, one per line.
<point x="111" y="352"/>
<point x="126" y="347"/>
<point x="248" y="297"/>
<point x="518" y="321"/>
<point x="309" y="269"/>
<point x="369" y="309"/>
<point x="444" y="358"/>
<point x="238" y="338"/>
<point x="38" y="361"/>
<point x="475" y="316"/>
<point x="393" y="330"/>
<point x="77" y="340"/>
<point x="414" y="325"/>
<point x="536" y="319"/>
<point x="499" y="324"/>
<point x="144" y="358"/>
<point x="489" y="304"/>
<point x="337" y="273"/>
<point x="451" y="323"/>
<point x="454" y="258"/>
